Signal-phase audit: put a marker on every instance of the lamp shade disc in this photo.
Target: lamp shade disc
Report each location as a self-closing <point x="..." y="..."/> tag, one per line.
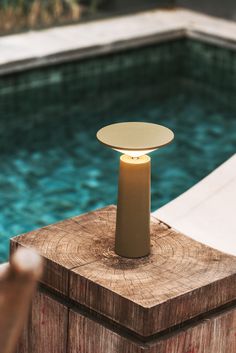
<point x="135" y="136"/>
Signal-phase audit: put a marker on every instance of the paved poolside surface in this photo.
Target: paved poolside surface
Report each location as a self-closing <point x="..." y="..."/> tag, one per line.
<point x="207" y="211"/>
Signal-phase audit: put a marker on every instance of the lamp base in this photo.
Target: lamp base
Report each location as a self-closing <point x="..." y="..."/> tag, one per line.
<point x="133" y="208"/>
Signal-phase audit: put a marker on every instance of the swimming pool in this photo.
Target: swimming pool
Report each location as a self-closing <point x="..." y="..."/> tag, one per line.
<point x="52" y="166"/>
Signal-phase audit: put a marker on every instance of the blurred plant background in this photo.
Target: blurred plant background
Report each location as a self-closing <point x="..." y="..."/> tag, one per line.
<point x="18" y="15"/>
<point x="21" y="15"/>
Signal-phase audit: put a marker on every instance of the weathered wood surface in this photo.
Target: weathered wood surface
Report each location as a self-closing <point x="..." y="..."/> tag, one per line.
<point x="212" y="335"/>
<point x="216" y="334"/>
<point x="179" y="280"/>
<point x="17" y="284"/>
<point x="53" y="327"/>
<point x="46" y="330"/>
<point x="87" y="336"/>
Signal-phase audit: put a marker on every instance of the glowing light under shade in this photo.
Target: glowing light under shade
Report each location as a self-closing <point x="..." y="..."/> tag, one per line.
<point x="135" y="154"/>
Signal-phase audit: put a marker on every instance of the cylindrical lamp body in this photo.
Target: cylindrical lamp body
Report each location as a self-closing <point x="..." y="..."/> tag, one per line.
<point x="133" y="208"/>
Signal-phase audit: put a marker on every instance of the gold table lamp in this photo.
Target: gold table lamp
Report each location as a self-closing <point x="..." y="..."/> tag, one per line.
<point x="134" y="139"/>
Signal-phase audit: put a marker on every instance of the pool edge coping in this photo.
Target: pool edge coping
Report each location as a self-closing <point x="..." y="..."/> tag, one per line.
<point x="62" y="44"/>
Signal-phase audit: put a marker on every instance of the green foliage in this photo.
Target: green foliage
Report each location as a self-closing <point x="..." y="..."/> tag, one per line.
<point x="16" y="15"/>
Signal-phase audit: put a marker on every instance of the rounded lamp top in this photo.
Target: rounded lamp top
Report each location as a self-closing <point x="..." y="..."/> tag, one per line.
<point x="135" y="136"/>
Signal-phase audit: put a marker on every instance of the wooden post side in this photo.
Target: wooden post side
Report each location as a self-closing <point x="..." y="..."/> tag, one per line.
<point x="88" y="336"/>
<point x="211" y="335"/>
<point x="46" y="330"/>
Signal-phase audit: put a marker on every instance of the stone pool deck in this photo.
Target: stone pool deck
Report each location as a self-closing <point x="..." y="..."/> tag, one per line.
<point x="206" y="212"/>
<point x="50" y="46"/>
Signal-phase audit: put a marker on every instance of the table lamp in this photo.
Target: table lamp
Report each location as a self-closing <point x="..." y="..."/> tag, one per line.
<point x="134" y="140"/>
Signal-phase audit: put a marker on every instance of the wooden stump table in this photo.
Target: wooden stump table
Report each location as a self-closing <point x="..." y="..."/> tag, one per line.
<point x="180" y="299"/>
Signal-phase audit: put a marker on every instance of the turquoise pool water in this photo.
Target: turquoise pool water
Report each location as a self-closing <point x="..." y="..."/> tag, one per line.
<point x="52" y="167"/>
<point x="73" y="174"/>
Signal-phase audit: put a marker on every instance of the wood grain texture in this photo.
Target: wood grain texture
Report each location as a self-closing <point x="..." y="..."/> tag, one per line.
<point x="64" y="245"/>
<point x="216" y="334"/>
<point x="212" y="335"/>
<point x="46" y="331"/>
<point x="53" y="328"/>
<point x="87" y="336"/>
<point x="179" y="280"/>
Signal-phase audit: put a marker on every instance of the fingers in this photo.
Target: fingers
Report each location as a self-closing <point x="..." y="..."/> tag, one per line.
<point x="27" y="262"/>
<point x="17" y="284"/>
<point x="4" y="270"/>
